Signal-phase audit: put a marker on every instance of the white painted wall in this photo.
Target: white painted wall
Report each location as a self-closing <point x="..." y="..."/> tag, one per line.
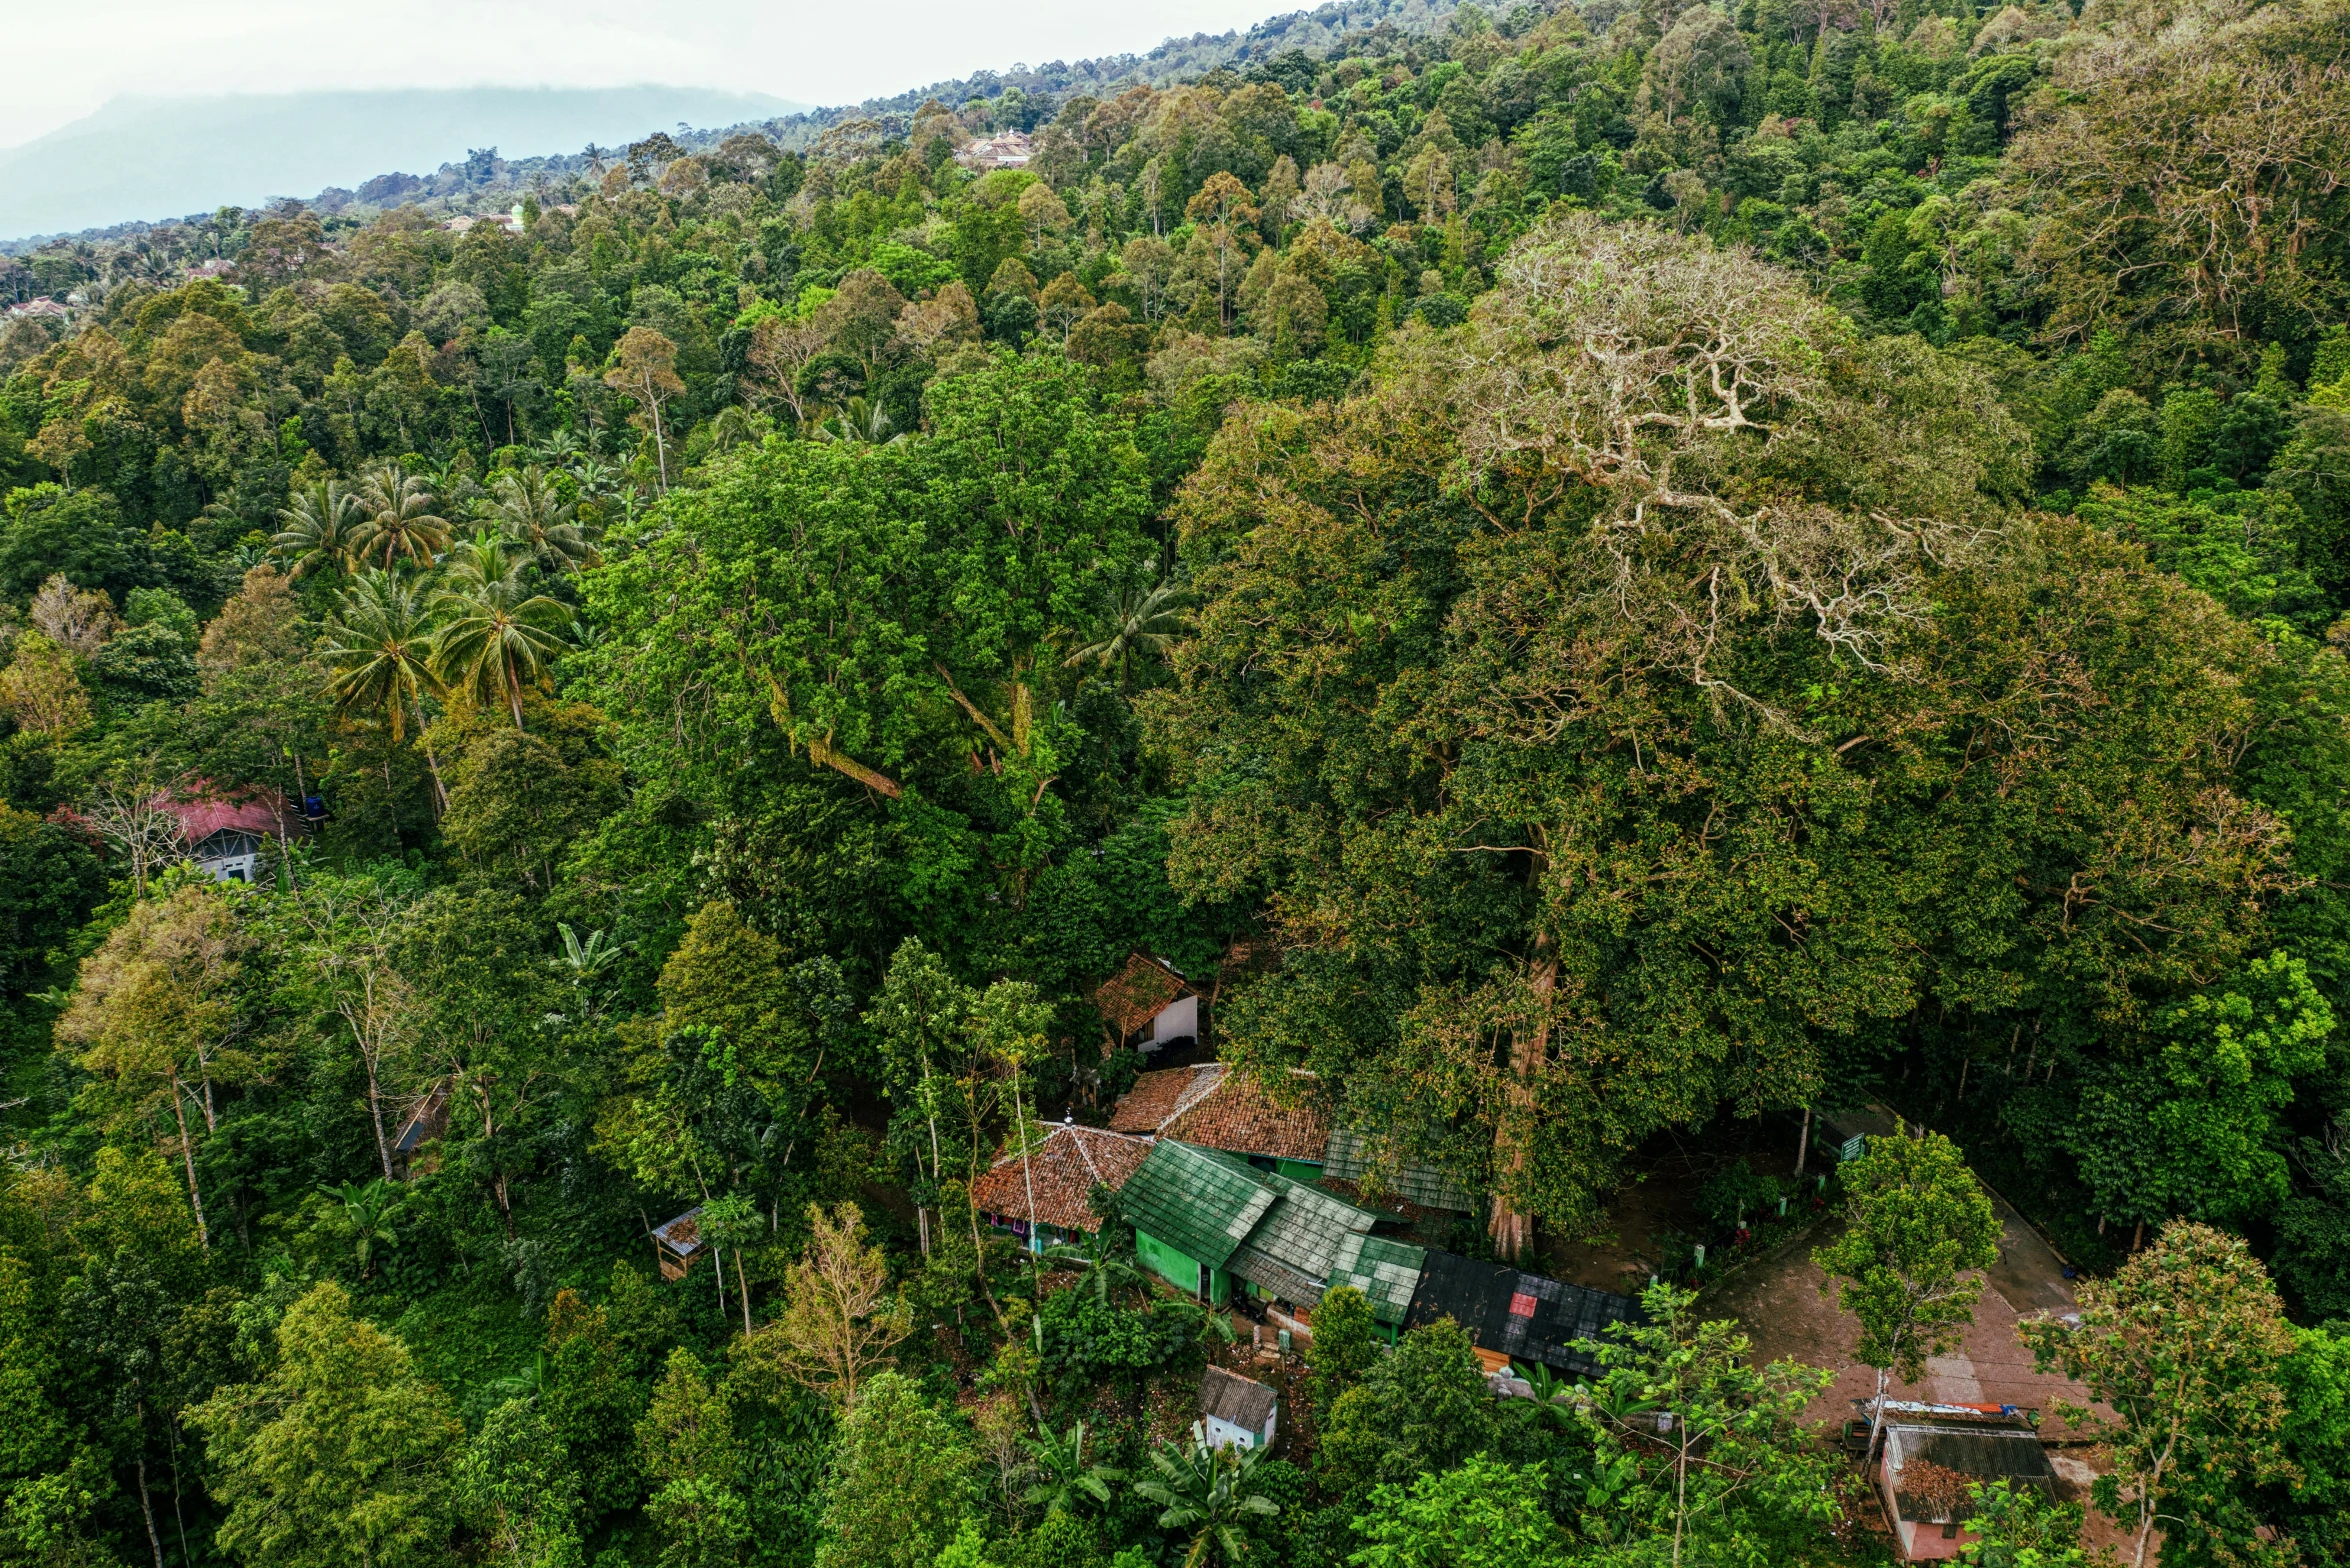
<point x="1178" y="1020"/>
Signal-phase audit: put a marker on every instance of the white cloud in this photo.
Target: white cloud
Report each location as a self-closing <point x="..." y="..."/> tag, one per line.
<point x="72" y="58"/>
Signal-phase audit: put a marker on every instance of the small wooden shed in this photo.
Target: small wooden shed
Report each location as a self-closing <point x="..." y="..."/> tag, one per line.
<point x="678" y="1245"/>
<point x="1238" y="1412"/>
<point x="424" y="1123"/>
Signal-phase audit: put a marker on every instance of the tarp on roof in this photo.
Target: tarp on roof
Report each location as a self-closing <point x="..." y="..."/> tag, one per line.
<point x="1350" y="1156"/>
<point x="1523" y="1316"/>
<point x="1200" y="1205"/>
<point x="1386" y="1272"/>
<point x="1987" y="1453"/>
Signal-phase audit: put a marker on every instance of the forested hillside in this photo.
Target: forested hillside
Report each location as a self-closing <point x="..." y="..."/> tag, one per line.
<point x="1588" y="579"/>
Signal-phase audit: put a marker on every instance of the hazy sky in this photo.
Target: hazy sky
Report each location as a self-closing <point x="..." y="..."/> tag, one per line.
<point x="72" y="58"/>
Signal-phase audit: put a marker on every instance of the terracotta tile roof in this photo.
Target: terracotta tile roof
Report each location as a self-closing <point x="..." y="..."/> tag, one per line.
<point x="1158" y="1098"/>
<point x="1135" y="994"/>
<point x="1063" y="1170"/>
<point x="1240" y="1117"/>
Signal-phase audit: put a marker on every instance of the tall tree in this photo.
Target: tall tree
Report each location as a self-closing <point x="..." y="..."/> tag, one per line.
<point x="342" y="1453"/>
<point x="494" y="636"/>
<point x="1916" y="1223"/>
<point x="644" y="367"/>
<point x="153" y="1012"/>
<point x="900" y="1481"/>
<point x="380" y="648"/>
<point x="1702" y="1454"/>
<point x="2183" y="1344"/>
<point x="397" y="521"/>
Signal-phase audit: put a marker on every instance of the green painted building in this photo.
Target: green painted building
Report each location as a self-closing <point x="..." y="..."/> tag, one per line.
<point x="1206" y="1221"/>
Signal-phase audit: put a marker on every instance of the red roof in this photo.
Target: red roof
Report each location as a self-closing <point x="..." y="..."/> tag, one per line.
<point x="1158" y="1098"/>
<point x="1064" y="1170"/>
<point x="203" y="814"/>
<point x="1139" y="992"/>
<point x="1239" y="1117"/>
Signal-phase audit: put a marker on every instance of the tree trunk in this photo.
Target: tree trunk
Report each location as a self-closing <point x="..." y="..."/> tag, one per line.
<point x="375" y="1114"/>
<point x="1512" y="1228"/>
<point x="489" y="1136"/>
<point x="147" y="1507"/>
<point x="188" y="1160"/>
<point x="1803" y="1142"/>
<point x="1028" y="1182"/>
<point x="743" y="1288"/>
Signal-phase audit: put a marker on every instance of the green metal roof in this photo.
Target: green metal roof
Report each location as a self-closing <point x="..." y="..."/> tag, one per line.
<point x="1352" y="1156"/>
<point x="1196" y="1202"/>
<point x="1386" y="1272"/>
<point x="1304" y="1229"/>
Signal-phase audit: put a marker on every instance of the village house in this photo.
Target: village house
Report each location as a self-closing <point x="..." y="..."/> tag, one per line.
<point x="1061" y="1173"/>
<point x="1004" y="150"/>
<point x="1931" y="1454"/>
<point x="1148" y="1005"/>
<point x="1236" y="1411"/>
<point x="226" y="835"/>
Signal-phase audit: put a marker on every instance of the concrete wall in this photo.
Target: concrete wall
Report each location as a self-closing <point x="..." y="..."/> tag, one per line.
<point x="1179" y="1269"/>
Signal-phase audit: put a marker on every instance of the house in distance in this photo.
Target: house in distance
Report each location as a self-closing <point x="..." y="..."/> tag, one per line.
<point x="1148" y="1005"/>
<point x="225" y="833"/>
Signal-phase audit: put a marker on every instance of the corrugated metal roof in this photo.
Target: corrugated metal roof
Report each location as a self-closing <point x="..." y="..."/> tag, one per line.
<point x="1386" y="1272"/>
<point x="682" y="1235"/>
<point x="1201" y="1205"/>
<point x="1523" y="1316"/>
<point x="1351" y="1156"/>
<point x="1986" y="1453"/>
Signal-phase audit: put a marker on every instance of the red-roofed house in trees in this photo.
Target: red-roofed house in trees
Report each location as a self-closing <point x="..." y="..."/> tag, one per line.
<point x="1149" y="1004"/>
<point x="224" y="833"/>
<point x="1061" y="1172"/>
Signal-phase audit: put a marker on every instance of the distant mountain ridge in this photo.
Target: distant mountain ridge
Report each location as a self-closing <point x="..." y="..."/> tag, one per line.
<point x="139" y="156"/>
<point x="164" y="157"/>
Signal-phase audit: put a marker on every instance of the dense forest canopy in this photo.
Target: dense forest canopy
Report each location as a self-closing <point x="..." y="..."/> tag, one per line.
<point x="1588" y="575"/>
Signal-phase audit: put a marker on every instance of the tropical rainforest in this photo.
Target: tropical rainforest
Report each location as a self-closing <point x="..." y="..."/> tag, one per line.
<point x="1593" y="574"/>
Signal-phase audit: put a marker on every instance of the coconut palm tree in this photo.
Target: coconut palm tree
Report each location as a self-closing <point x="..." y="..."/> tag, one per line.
<point x="1210" y="1492"/>
<point x="1135" y="619"/>
<point x="380" y="649"/>
<point x="398" y="518"/>
<point x="531" y="513"/>
<point x="496" y="636"/>
<point x="858" y="423"/>
<point x="317" y="526"/>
